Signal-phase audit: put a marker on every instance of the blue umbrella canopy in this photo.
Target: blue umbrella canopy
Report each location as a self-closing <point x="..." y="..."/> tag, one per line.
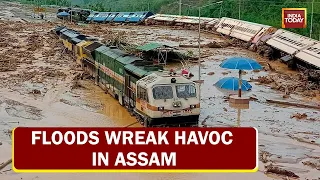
<point x="63" y="14"/>
<point x="232" y="83"/>
<point x="240" y="63"/>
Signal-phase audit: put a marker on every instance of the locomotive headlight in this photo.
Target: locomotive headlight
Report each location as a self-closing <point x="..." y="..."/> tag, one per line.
<point x="193" y="106"/>
<point x="176" y="104"/>
<point x="160" y="108"/>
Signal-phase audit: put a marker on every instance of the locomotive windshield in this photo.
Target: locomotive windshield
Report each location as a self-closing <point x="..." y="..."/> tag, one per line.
<point x="186" y="91"/>
<point x="162" y="92"/>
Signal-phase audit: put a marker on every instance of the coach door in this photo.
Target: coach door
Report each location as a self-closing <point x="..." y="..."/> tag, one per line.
<point x="127" y="89"/>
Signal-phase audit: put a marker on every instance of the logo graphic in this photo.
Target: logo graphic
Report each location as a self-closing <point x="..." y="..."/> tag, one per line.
<point x="294" y="17"/>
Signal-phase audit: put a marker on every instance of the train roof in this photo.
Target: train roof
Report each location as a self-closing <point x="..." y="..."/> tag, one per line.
<point x="162" y="77"/>
<point x="252" y="23"/>
<point x="137" y="70"/>
<point x="128" y="59"/>
<point x="76" y="40"/>
<point x="93" y="46"/>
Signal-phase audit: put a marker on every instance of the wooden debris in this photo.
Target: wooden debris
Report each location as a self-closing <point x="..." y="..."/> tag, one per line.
<point x="294" y="104"/>
<point x="209" y="45"/>
<point x="4" y="164"/>
<point x="314" y="165"/>
<point x="252" y="98"/>
<point x="276" y="170"/>
<point x="270" y="67"/>
<point x="264" y="156"/>
<point x="299" y="116"/>
<point x="192" y="45"/>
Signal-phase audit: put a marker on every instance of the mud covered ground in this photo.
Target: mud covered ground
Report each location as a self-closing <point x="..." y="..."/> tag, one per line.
<point x="45" y="90"/>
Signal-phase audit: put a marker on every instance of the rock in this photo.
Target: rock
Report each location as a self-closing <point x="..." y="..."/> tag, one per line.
<point x="0" y="143"/>
<point x="210" y="73"/>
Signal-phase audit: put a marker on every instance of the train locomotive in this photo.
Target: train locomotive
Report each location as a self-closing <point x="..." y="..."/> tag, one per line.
<point x="158" y="98"/>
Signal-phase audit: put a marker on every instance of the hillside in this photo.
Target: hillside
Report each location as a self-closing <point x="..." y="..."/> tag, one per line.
<point x="260" y="11"/>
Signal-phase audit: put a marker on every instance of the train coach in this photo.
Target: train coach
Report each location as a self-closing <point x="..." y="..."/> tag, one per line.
<point x="289" y="44"/>
<point x="155" y="96"/>
<point x="311" y="55"/>
<point x="247" y="32"/>
<point x="118" y="17"/>
<point x="189" y="22"/>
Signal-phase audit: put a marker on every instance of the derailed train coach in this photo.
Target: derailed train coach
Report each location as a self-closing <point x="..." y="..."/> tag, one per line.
<point x="189" y="22"/>
<point x="290" y="47"/>
<point x="156" y="97"/>
<point x="118" y="17"/>
<point x="244" y="33"/>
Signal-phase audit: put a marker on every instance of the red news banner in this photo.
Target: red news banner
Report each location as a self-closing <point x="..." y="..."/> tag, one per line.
<point x="135" y="149"/>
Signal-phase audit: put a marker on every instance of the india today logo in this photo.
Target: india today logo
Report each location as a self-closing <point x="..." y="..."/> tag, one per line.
<point x="294" y="17"/>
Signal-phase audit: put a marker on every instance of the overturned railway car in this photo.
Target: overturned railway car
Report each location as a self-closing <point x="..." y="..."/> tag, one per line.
<point x="189" y="22"/>
<point x="246" y="33"/>
<point x="156" y="97"/>
<point x="294" y="49"/>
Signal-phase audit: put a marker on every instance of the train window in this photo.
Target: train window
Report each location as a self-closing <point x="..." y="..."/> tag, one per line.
<point x="162" y="92"/>
<point x="142" y="94"/>
<point x="186" y="91"/>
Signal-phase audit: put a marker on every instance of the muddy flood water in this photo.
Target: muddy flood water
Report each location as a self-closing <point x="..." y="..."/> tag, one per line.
<point x="44" y="91"/>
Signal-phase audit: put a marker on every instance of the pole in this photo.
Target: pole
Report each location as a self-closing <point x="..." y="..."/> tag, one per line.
<point x="311" y="19"/>
<point x="199" y="60"/>
<point x="238" y="120"/>
<point x="179" y="7"/>
<point x="239" y="9"/>
<point x="240" y="83"/>
<point x="71" y="11"/>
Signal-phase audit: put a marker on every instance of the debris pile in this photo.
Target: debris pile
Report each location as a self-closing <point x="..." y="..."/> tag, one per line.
<point x="277" y="170"/>
<point x="6" y="63"/>
<point x="315" y="163"/>
<point x="290" y="84"/>
<point x="34" y="42"/>
<point x="264" y="156"/>
<point x="239" y="43"/>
